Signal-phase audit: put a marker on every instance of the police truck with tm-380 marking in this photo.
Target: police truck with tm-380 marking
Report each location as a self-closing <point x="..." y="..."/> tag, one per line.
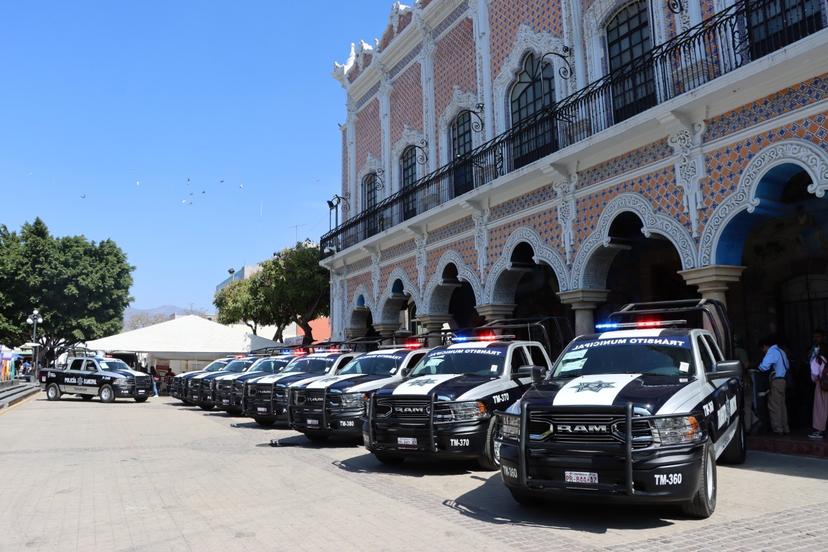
<point x="639" y="412"/>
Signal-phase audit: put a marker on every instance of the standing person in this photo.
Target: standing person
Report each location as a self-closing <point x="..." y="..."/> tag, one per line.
<point x="775" y="362"/>
<point x="153" y="376"/>
<point x="817" y="339"/>
<point x="819" y="375"/>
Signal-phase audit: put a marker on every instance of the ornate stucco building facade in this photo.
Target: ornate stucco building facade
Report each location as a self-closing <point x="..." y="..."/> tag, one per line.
<point x="525" y="157"/>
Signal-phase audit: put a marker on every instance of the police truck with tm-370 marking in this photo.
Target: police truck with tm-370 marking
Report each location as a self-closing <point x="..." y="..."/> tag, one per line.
<point x="639" y="412"/>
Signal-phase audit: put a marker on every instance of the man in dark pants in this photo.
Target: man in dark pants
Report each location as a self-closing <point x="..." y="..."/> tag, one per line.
<point x="775" y="362"/>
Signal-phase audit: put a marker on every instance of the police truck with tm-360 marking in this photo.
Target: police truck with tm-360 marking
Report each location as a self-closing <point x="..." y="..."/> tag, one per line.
<point x="639" y="412"/>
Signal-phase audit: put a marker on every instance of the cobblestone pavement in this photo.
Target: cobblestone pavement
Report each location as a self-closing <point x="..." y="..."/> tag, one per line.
<point x="161" y="476"/>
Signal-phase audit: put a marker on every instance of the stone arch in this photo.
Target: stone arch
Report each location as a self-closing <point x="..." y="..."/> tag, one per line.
<point x="460" y="101"/>
<point x="591" y="265"/>
<point x="527" y="41"/>
<point x="397" y="292"/>
<point x="801" y="153"/>
<point x="434" y="299"/>
<point x="498" y="284"/>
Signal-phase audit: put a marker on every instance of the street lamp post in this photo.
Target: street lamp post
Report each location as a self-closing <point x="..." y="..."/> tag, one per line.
<point x="33" y="320"/>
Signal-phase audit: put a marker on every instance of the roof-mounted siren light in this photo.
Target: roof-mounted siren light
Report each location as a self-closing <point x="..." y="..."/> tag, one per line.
<point x="640" y="325"/>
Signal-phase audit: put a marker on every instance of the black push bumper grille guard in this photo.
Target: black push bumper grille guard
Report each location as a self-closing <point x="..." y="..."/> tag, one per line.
<point x="290" y="395"/>
<point x="626" y="411"/>
<point x="432" y="441"/>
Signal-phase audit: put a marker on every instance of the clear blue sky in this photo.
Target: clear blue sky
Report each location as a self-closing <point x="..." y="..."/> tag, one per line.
<point x="96" y="97"/>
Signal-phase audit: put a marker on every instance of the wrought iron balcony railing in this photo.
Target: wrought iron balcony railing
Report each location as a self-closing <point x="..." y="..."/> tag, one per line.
<point x="744" y="32"/>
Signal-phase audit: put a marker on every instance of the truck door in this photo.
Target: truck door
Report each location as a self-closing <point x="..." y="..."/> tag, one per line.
<point x="90" y="378"/>
<point x="68" y="379"/>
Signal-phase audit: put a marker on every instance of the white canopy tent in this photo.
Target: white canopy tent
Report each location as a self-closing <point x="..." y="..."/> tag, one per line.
<point x="187" y="338"/>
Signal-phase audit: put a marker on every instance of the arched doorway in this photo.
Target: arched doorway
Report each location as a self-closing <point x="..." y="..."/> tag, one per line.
<point x="783" y="291"/>
<point x="361" y="323"/>
<point x="531" y="286"/>
<point x="454" y="297"/>
<point x="644" y="268"/>
<point x="399" y="309"/>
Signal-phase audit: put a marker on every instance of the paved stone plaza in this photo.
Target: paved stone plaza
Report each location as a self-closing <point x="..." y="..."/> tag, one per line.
<point x="162" y="476"/>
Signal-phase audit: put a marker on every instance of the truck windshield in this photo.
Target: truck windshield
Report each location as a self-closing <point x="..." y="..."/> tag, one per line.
<point x="237" y="366"/>
<point x="267" y="365"/>
<point x="478" y="362"/>
<point x="215" y="366"/>
<point x="374" y="365"/>
<point x="114" y="364"/>
<point x="309" y="365"/>
<point x="661" y="356"/>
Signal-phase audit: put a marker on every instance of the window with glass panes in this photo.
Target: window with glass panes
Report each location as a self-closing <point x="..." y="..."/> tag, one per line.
<point x="461" y="144"/>
<point x="775" y="24"/>
<point x="408" y="176"/>
<point x="533" y="92"/>
<point x="369" y="200"/>
<point x="628" y="38"/>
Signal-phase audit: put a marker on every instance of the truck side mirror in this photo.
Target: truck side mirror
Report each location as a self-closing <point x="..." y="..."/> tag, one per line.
<point x="728" y="369"/>
<point x="536" y="372"/>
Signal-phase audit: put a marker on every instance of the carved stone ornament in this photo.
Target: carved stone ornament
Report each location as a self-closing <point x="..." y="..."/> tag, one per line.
<point x="481" y="238"/>
<point x="567" y="211"/>
<point x="807" y="155"/>
<point x="690" y="169"/>
<point x="375" y="275"/>
<point x="421" y="260"/>
<point x="590" y="268"/>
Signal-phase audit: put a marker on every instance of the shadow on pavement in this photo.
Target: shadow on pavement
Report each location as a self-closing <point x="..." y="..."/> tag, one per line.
<point x="304" y="442"/>
<point x="367" y="463"/>
<point x="784" y="464"/>
<point x="492" y="503"/>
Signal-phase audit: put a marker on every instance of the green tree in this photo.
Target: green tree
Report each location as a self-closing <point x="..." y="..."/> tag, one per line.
<point x="80" y="287"/>
<point x="270" y="288"/>
<point x="241" y="302"/>
<point x="306" y="293"/>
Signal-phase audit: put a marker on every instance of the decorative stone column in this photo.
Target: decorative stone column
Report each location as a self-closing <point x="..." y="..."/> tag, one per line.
<point x="386" y="331"/>
<point x="712" y="281"/>
<point x="495" y="312"/>
<point x="584" y="302"/>
<point x="434" y="323"/>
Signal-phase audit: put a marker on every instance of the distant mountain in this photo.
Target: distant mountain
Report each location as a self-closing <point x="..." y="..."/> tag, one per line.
<point x="139" y="318"/>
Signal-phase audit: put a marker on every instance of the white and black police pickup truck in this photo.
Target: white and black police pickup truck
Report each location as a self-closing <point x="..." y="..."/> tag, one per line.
<point x="334" y="405"/>
<point x="445" y="405"/>
<point x="229" y="388"/>
<point x="640" y="412"/>
<point x="181" y="382"/>
<point x="203" y="386"/>
<point x="267" y="398"/>
<point x="88" y="377"/>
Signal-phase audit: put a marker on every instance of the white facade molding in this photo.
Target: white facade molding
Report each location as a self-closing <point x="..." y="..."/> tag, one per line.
<point x="567" y="211"/>
<point x="494" y="290"/>
<point x="481" y="238"/>
<point x="340" y="70"/>
<point x="435" y="300"/>
<point x="526" y="41"/>
<point x="421" y="259"/>
<point x="460" y="101"/>
<point x="409" y="137"/>
<point x="351" y="178"/>
<point x="361" y="291"/>
<point x="690" y="168"/>
<point x="372" y="164"/>
<point x="426" y="60"/>
<point x="479" y="10"/>
<point x="590" y="273"/>
<point x="376" y="259"/>
<point x="388" y="306"/>
<point x="810" y="157"/>
<point x="339" y="300"/>
<point x="385" y="129"/>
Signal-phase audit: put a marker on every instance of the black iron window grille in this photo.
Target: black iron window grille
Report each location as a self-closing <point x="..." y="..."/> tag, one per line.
<point x="719" y="45"/>
<point x="461" y="147"/>
<point x="532" y="93"/>
<point x="408" y="177"/>
<point x="370" y="183"/>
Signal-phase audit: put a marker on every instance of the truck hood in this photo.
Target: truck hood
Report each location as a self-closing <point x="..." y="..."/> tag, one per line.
<point x="648" y="393"/>
<point x="444" y="387"/>
<point x="273" y="378"/>
<point x="326" y="382"/>
<point x="362" y="383"/>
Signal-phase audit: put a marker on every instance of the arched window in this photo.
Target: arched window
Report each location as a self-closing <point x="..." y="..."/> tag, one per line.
<point x="628" y="38"/>
<point x="408" y="176"/>
<point x="775" y="24"/>
<point x="532" y="93"/>
<point x="370" y="183"/>
<point x="461" y="144"/>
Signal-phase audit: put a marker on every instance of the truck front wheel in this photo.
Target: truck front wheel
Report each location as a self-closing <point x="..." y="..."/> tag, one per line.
<point x="703" y="503"/>
<point x="53" y="392"/>
<point x="107" y="394"/>
<point x="490" y="460"/>
<point x="265" y="422"/>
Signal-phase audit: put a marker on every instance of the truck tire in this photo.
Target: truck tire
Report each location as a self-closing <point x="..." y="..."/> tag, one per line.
<point x="703" y="503"/>
<point x="264" y="422"/>
<point x="53" y="392"/>
<point x="490" y="461"/>
<point x="206" y="407"/>
<point x="107" y="394"/>
<point x="317" y="436"/>
<point x="736" y="451"/>
<point x="141" y="399"/>
<point x="87" y="397"/>
<point x="389" y="459"/>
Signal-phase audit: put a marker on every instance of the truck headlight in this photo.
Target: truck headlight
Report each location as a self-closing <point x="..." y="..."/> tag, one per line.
<point x="510" y="426"/>
<point x="677" y="430"/>
<point x="466" y="411"/>
<point x="352" y="400"/>
<point x="123" y="382"/>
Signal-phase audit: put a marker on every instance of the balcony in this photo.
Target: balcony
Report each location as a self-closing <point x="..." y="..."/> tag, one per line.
<point x="730" y="39"/>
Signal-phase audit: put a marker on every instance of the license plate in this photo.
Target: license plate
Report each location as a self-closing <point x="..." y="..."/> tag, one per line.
<point x="347" y="423"/>
<point x="581" y="477"/>
<point x="407" y="441"/>
<point x="225" y="401"/>
<point x="312" y="422"/>
<point x="261" y="409"/>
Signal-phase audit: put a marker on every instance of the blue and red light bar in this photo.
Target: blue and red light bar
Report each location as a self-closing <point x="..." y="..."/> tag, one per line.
<point x="640" y="325"/>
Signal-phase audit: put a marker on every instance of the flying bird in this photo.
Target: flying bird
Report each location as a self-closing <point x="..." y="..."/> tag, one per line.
<point x="83" y="196"/>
